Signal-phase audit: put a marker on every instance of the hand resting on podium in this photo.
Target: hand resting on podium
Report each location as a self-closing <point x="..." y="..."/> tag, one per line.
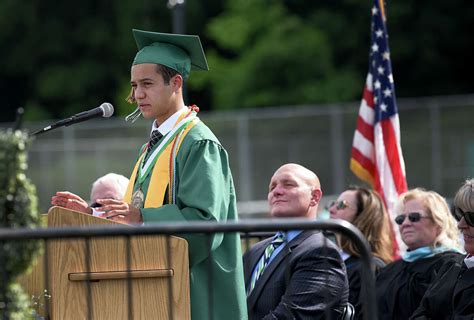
<point x="108" y="187"/>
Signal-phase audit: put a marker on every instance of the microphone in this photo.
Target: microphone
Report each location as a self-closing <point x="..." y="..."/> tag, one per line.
<point x="104" y="110"/>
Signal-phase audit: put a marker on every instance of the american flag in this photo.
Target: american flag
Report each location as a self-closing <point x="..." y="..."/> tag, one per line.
<point x="376" y="152"/>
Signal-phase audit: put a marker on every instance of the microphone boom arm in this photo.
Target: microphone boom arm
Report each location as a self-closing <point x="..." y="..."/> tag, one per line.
<point x="105" y="110"/>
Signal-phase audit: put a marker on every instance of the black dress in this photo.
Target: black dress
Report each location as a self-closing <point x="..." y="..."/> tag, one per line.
<point x="401" y="285"/>
<point x="354" y="275"/>
<point x="451" y="296"/>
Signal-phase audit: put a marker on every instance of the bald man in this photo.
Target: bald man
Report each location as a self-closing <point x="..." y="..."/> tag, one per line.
<point x="295" y="274"/>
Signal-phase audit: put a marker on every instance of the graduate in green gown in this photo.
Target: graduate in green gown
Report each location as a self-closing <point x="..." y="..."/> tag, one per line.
<point x="183" y="175"/>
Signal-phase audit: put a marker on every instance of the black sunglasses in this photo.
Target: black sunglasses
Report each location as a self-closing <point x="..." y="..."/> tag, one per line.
<point x="468" y="216"/>
<point x="340" y="205"/>
<point x="96" y="205"/>
<point x="412" y="216"/>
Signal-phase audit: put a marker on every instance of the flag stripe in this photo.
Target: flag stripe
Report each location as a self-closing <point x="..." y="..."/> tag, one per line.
<point x="368" y="97"/>
<point x="393" y="156"/>
<point x="367" y="113"/>
<point x="365" y="129"/>
<point x="363" y="161"/>
<point x="364" y="146"/>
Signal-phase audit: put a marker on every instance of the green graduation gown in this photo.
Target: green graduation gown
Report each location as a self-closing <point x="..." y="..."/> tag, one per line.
<point x="205" y="192"/>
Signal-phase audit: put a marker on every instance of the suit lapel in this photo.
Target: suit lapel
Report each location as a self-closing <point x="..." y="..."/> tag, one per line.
<point x="272" y="267"/>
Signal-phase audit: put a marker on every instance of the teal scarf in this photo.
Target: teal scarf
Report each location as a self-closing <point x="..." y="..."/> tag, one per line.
<point x="424" y="252"/>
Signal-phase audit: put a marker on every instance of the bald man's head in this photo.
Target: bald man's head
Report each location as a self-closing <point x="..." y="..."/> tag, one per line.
<point x="294" y="191"/>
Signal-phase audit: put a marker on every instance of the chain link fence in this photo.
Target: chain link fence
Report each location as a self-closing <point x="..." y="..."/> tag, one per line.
<point x="437" y="142"/>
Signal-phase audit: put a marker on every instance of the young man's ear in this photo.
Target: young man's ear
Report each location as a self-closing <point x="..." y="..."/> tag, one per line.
<point x="177" y="82"/>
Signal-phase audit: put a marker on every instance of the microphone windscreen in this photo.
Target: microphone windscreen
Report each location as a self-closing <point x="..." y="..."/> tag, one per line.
<point x="108" y="109"/>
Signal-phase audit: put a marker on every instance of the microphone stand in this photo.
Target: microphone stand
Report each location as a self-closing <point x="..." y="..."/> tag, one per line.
<point x="104" y="110"/>
<point x="65" y="122"/>
<point x="19" y="118"/>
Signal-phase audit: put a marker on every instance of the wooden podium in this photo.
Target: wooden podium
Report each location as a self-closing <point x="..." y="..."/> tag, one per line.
<point x="159" y="288"/>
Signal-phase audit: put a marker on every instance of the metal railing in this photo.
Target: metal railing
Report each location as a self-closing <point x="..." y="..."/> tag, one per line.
<point x="246" y="228"/>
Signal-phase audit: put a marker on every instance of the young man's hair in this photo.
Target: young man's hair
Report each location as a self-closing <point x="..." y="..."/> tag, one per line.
<point x="166" y="72"/>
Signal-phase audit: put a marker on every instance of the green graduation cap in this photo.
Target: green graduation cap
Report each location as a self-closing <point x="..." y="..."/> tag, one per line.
<point x="180" y="52"/>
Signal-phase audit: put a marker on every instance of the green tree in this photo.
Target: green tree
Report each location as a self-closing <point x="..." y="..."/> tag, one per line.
<point x="65" y="57"/>
<point x="432" y="45"/>
<point x="268" y="56"/>
<point x="59" y="58"/>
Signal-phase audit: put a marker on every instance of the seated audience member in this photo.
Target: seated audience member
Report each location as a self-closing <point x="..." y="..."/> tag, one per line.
<point x="429" y="231"/>
<point x="295" y="274"/>
<point x="364" y="209"/>
<point x="110" y="186"/>
<point x="451" y="296"/>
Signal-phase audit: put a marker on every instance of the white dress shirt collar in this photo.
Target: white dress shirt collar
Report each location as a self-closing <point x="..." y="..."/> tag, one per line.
<point x="469" y="261"/>
<point x="169" y="123"/>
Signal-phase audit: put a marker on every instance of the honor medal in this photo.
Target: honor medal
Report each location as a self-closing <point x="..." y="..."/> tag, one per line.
<point x="138" y="199"/>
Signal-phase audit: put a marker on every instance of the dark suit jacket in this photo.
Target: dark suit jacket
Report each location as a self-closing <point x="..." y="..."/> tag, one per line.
<point x="354" y="275"/>
<point x="306" y="280"/>
<point x="450" y="296"/>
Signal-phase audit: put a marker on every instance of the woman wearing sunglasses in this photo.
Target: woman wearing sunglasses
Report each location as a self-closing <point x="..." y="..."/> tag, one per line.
<point x="451" y="296"/>
<point x="429" y="231"/>
<point x="364" y="209"/>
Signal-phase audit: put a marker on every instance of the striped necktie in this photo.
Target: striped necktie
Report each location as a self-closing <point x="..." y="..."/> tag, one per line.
<point x="154" y="138"/>
<point x="263" y="262"/>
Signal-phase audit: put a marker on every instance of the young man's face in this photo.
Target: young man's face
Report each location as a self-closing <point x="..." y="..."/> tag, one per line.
<point x="152" y="95"/>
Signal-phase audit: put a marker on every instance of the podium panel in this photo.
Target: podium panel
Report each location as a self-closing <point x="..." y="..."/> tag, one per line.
<point x="91" y="277"/>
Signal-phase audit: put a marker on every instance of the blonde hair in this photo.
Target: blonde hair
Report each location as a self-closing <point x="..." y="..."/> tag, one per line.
<point x="437" y="208"/>
<point x="372" y="220"/>
<point x="464" y="198"/>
